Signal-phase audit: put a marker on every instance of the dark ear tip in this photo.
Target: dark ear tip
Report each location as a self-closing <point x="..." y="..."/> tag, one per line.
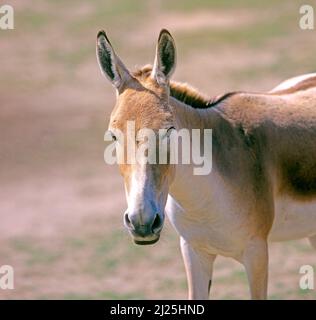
<point x="101" y="33"/>
<point x="164" y="32"/>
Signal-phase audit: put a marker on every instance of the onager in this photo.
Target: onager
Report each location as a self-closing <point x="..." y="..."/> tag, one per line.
<point x="262" y="186"/>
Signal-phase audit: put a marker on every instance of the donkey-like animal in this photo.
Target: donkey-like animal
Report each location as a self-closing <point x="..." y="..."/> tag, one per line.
<point x="262" y="186"/>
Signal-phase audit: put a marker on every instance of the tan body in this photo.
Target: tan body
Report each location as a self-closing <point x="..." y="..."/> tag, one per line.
<point x="262" y="186"/>
<point x="263" y="181"/>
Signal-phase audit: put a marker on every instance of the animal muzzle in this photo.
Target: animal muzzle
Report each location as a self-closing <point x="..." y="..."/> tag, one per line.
<point x="144" y="228"/>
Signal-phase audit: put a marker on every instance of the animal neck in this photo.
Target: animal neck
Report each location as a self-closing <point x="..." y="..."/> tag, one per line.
<point x="193" y="109"/>
<point x="203" y="187"/>
<point x="191" y="118"/>
<point x="187" y="117"/>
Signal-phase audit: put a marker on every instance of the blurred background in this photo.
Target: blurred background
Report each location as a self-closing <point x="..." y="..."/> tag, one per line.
<point x="61" y="206"/>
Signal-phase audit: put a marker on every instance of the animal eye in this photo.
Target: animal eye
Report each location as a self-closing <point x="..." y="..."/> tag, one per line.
<point x="109" y="135"/>
<point x="169" y="131"/>
<point x="114" y="138"/>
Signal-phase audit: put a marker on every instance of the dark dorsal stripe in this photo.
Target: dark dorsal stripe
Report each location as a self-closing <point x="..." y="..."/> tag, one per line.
<point x="221" y="98"/>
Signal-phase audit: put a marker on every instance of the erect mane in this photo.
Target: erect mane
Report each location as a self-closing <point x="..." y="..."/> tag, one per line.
<point x="184" y="92"/>
<point x="188" y="95"/>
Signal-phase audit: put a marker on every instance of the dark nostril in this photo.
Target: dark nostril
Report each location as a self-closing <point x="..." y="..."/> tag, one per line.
<point x="143" y="229"/>
<point x="156" y="224"/>
<point x="127" y="221"/>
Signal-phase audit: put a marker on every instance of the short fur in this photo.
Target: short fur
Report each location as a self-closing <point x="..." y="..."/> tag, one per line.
<point x="263" y="180"/>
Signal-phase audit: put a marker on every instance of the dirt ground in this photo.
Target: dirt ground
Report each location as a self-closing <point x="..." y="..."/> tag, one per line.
<point x="61" y="206"/>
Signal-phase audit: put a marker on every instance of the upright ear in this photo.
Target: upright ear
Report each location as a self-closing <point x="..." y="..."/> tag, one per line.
<point x="110" y="64"/>
<point x="165" y="60"/>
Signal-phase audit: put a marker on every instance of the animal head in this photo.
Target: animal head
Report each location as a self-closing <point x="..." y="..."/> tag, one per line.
<point x="143" y="99"/>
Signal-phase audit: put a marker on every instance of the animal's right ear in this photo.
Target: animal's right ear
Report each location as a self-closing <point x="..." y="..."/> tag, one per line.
<point x="110" y="64"/>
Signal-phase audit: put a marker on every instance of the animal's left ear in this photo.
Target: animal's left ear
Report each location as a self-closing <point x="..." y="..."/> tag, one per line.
<point x="165" y="60"/>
